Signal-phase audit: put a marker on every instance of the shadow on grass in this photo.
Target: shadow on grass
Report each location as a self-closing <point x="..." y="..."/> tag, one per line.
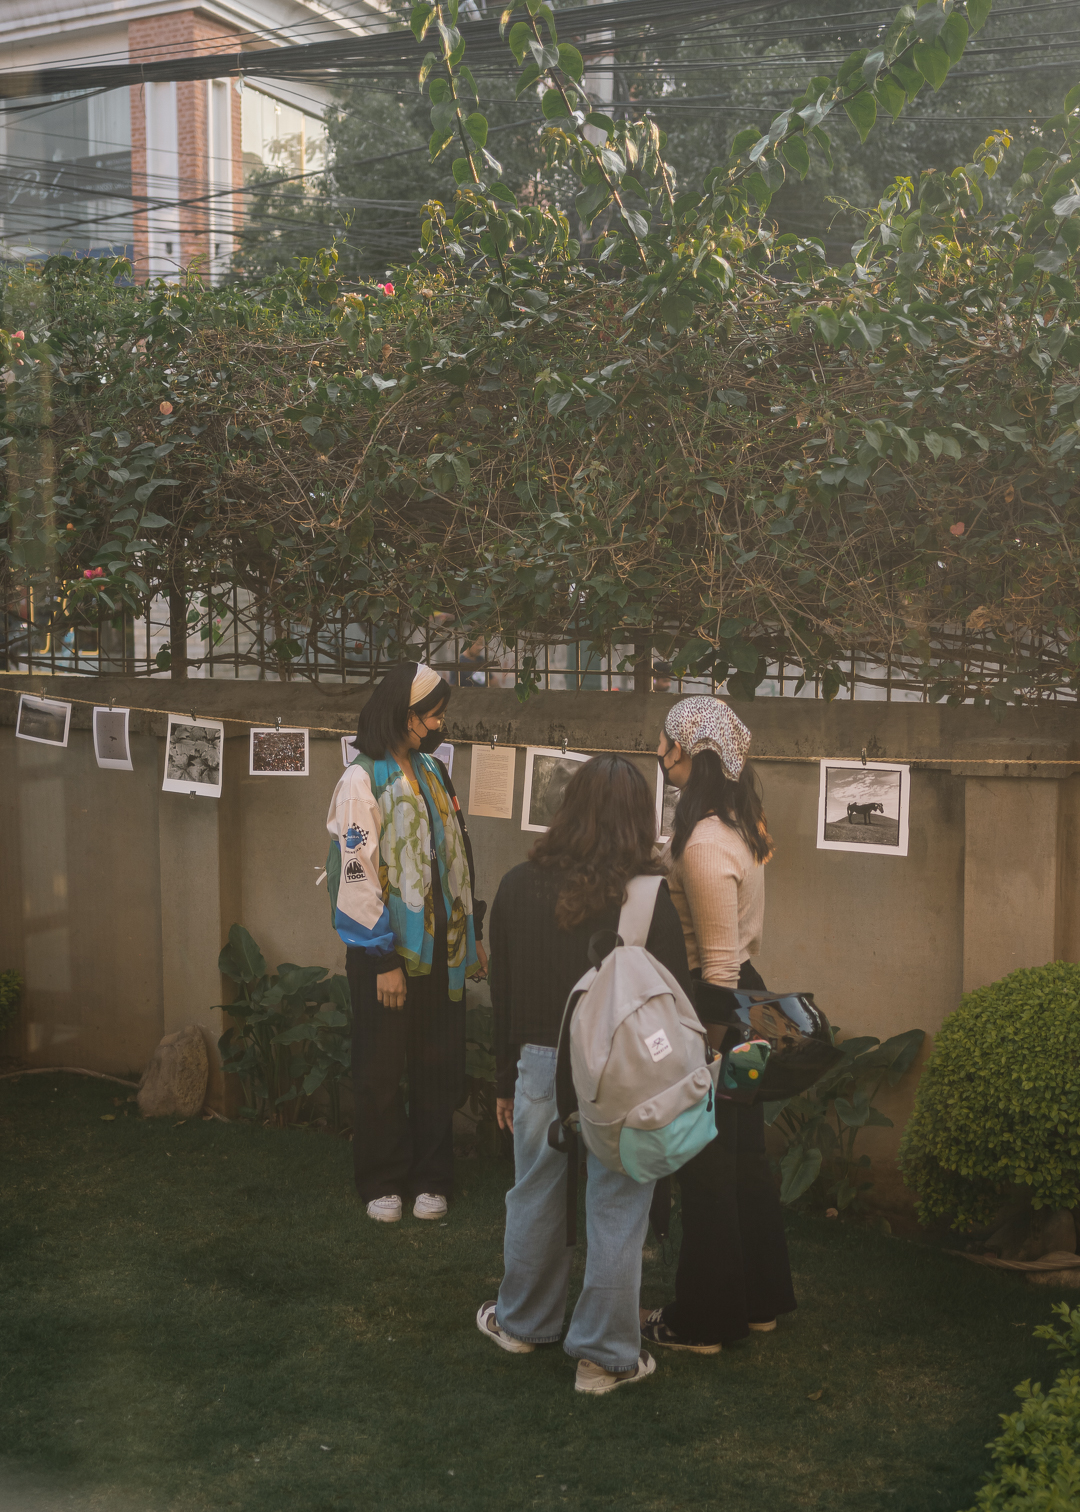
<point x="201" y="1317"/>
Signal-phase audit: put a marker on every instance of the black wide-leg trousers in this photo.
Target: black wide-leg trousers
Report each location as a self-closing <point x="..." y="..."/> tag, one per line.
<point x="733" y="1262"/>
<point x="401" y="1150"/>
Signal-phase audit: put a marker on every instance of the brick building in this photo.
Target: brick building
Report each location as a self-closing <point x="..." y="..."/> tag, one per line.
<point x="154" y="171"/>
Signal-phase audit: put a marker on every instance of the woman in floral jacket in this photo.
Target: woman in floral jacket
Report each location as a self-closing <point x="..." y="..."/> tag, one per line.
<point x="405" y="911"/>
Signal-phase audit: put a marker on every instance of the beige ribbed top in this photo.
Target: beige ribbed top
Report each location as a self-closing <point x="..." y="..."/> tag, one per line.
<point x="719" y="891"/>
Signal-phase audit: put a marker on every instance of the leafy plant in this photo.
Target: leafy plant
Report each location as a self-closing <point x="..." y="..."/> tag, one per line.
<point x="1037" y="1453"/>
<point x="822" y="1125"/>
<point x="480" y="1073"/>
<point x="999" y="1101"/>
<point x="11" y="986"/>
<point x="290" y="1035"/>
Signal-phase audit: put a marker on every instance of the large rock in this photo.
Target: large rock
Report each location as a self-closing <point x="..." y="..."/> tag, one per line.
<point x="1060" y="1280"/>
<point x="174" y="1083"/>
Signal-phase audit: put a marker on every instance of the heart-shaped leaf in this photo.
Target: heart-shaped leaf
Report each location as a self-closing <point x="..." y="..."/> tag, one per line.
<point x="861" y="111"/>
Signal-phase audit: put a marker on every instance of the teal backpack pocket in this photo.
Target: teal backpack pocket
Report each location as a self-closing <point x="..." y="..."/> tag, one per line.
<point x="652" y="1154"/>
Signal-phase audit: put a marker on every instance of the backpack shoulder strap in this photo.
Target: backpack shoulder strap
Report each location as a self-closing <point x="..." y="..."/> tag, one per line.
<point x="636" y="914"/>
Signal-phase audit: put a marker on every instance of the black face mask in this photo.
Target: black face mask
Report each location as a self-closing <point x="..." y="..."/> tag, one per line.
<point x="431" y="741"/>
<point x="664" y="773"/>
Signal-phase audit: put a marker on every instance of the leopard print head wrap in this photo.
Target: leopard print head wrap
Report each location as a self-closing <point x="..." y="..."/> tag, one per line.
<point x="706" y="724"/>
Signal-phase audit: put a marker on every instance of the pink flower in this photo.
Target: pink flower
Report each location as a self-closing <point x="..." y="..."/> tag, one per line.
<point x="387" y="289"/>
<point x="18" y="335"/>
<point x="94" y="572"/>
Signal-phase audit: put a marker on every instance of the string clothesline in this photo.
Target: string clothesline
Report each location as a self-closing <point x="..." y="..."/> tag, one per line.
<point x="523" y="745"/>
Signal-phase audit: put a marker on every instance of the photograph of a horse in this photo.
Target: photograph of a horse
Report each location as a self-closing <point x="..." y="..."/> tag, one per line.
<point x="863" y="807"/>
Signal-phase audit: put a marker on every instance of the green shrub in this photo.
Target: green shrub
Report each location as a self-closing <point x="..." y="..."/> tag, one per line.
<point x="820" y="1165"/>
<point x="11" y="985"/>
<point x="1037" y="1453"/>
<point x="999" y="1101"/>
<point x="291" y="1032"/>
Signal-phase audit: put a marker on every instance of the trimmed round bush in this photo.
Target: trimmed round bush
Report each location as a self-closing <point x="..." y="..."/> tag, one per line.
<point x="999" y="1100"/>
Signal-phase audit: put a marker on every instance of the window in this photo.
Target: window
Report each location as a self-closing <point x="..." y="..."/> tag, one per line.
<point x="67" y="187"/>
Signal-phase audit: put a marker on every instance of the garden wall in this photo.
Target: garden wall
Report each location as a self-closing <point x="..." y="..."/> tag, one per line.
<point x="115" y="897"/>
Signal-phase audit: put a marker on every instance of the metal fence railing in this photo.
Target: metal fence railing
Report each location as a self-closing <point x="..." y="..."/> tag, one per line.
<point x="230" y="637"/>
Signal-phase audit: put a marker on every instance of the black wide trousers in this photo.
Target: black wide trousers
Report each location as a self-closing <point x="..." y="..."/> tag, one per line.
<point x="733" y="1262"/>
<point x="398" y="1149"/>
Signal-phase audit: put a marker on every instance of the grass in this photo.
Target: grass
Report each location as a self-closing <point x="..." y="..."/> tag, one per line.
<point x="200" y="1316"/>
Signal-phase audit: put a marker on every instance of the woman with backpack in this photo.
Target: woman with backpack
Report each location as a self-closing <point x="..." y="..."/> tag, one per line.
<point x="405" y="910"/>
<point x="733" y="1274"/>
<point x="543" y="918"/>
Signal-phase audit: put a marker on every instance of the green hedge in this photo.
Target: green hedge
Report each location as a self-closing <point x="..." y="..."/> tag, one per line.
<point x="999" y="1101"/>
<point x="1037" y="1453"/>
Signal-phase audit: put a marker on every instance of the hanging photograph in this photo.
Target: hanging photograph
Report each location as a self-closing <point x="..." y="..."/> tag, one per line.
<point x="193" y="752"/>
<point x="278" y="753"/>
<point x="44" y="720"/>
<point x="863" y="808"/>
<point x="667" y="796"/>
<point x="547" y="772"/>
<point x="111" y="744"/>
<point x="349" y="750"/>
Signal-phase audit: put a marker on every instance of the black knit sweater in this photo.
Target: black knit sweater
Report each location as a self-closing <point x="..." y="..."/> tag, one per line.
<point x="535" y="964"/>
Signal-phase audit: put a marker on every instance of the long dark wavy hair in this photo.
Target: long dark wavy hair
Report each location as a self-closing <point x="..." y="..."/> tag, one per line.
<point x="711" y="791"/>
<point x="603" y="834"/>
<point x="384" y="720"/>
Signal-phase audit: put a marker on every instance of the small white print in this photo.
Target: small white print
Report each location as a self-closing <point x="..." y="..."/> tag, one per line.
<point x="657" y="1045"/>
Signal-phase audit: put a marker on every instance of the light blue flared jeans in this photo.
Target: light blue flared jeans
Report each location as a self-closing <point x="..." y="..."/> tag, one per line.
<point x="532" y="1297"/>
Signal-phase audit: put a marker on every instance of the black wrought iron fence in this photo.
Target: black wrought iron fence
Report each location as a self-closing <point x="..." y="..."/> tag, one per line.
<point x="230" y="637"/>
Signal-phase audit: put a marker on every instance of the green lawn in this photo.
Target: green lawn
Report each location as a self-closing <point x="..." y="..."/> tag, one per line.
<point x="201" y="1316"/>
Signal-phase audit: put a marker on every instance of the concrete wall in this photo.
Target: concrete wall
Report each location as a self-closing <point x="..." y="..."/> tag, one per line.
<point x="115" y="897"/>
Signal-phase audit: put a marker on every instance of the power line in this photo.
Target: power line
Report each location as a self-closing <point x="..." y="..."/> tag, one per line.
<point x="398" y="48"/>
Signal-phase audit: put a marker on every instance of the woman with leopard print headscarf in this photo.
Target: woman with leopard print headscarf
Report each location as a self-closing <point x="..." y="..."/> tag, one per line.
<point x="733" y="1273"/>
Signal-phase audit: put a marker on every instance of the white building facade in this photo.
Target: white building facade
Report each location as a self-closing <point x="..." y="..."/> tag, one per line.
<point x="154" y="171"/>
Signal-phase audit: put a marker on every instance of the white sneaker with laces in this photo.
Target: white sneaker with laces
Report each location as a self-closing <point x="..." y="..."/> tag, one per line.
<point x="595" y="1380"/>
<point x="385" y="1209"/>
<point x="485" y="1322"/>
<point x="428" y="1205"/>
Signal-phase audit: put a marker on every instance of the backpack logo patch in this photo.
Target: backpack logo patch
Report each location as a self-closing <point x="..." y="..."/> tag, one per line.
<point x="354" y="872"/>
<point x="658" y="1045"/>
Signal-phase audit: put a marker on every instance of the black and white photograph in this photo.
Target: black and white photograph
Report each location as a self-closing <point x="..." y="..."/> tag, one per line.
<point x="278" y="753"/>
<point x="547" y="772"/>
<point x="863" y="808"/>
<point x="44" y="720"/>
<point x="193" y="752"/>
<point x="349" y="751"/>
<point x="112" y="747"/>
<point x="445" y="754"/>
<point x="667" y="796"/>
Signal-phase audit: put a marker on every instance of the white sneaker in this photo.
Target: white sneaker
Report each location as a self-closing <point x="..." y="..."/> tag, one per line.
<point x="596" y="1380"/>
<point x="485" y="1322"/>
<point x="385" y="1209"/>
<point x="764" y="1327"/>
<point x="428" y="1205"/>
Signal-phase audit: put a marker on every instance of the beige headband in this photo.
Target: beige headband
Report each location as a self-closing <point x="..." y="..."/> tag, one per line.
<point x="425" y="682"/>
